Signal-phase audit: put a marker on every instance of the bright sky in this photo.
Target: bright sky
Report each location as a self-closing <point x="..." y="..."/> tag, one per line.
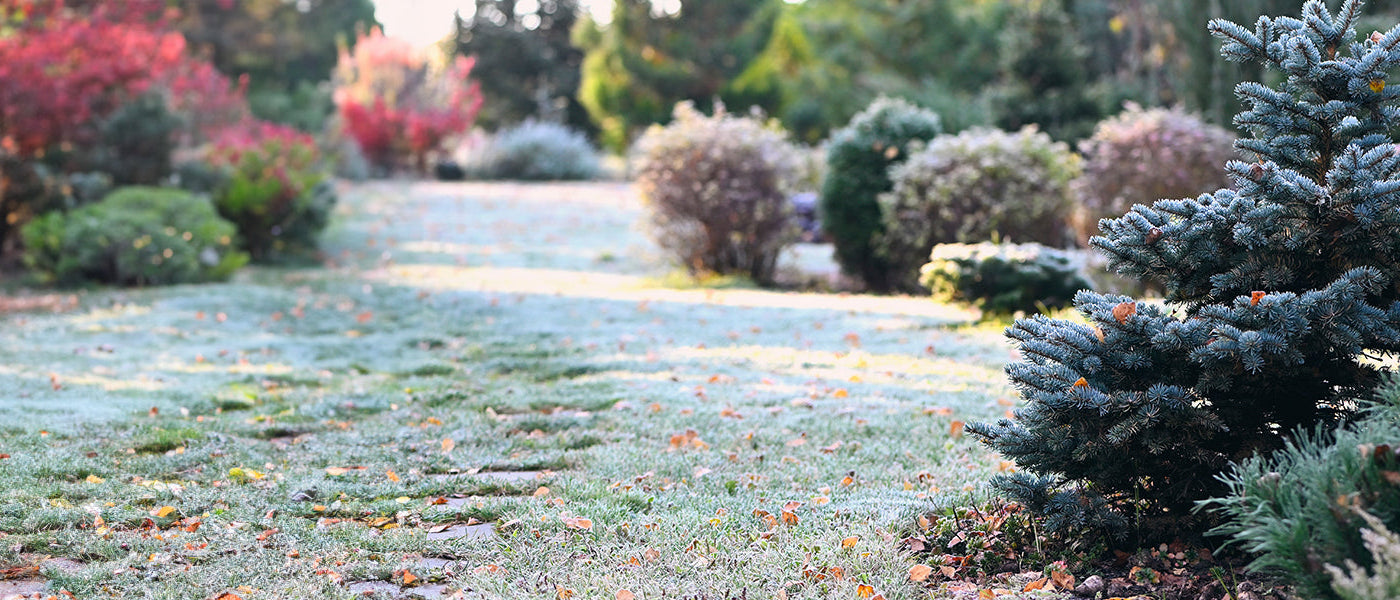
<point x="425" y="22"/>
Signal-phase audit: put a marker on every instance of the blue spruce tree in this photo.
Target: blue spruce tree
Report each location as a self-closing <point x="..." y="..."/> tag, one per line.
<point x="1281" y="293"/>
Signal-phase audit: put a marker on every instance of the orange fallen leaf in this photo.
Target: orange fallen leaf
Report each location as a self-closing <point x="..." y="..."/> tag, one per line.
<point x="1035" y="585"/>
<point x="651" y="554"/>
<point x="1255" y="297"/>
<point x="986" y="594"/>
<point x="624" y="595"/>
<point x="541" y="492"/>
<point x="955" y="429"/>
<point x="850" y="542"/>
<point x="1062" y="580"/>
<point x="228" y="596"/>
<point x="841" y="393"/>
<point x="447" y="445"/>
<point x="1124" y="310"/>
<point x="563" y="593"/>
<point x="408" y="578"/>
<point x="919" y="572"/>
<point x="394" y="477"/>
<point x="790" y="517"/>
<point x="579" y="523"/>
<point x="163" y="512"/>
<point x="865" y="591"/>
<point x="364" y="317"/>
<point x="1082" y="382"/>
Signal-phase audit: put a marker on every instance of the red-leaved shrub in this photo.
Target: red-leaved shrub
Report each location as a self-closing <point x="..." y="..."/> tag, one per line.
<point x="396" y="103"/>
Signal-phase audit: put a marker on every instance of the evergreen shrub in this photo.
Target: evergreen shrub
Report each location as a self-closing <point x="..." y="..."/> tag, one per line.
<point x="1305" y="508"/>
<point x="136" y="141"/>
<point x="1144" y="154"/>
<point x="278" y="193"/>
<point x="717" y="189"/>
<point x="1275" y="292"/>
<point x="859" y="157"/>
<point x="1382" y="580"/>
<point x="134" y="236"/>
<point x="980" y="185"/>
<point x="538" y="151"/>
<point x="1002" y="278"/>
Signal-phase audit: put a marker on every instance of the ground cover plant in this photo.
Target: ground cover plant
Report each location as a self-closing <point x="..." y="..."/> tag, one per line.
<point x="1276" y="293"/>
<point x="484" y="353"/>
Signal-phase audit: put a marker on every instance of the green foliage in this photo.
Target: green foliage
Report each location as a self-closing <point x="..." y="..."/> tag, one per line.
<point x="717" y="189"/>
<point x="136" y="141"/>
<point x="1304" y="508"/>
<point x="642" y="63"/>
<point x="1277" y="291"/>
<point x="1002" y="278"/>
<point x="537" y="151"/>
<point x="1383" y="580"/>
<point x="305" y="105"/>
<point x="277" y="192"/>
<point x="1142" y="154"/>
<point x="525" y="60"/>
<point x="859" y="157"/>
<point x="1043" y="79"/>
<point x="980" y="185"/>
<point x="134" y="236"/>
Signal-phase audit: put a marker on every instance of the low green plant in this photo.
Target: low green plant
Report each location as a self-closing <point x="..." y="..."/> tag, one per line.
<point x="1383" y="580"/>
<point x="859" y="157"/>
<point x="1306" y="507"/>
<point x="980" y="185"/>
<point x="134" y="236"/>
<point x="538" y="151"/>
<point x="278" y="193"/>
<point x="1002" y="278"/>
<point x="136" y="142"/>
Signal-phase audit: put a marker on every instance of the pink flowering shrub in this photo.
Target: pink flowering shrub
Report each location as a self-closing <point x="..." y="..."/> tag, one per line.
<point x="1141" y="156"/>
<point x="396" y="103"/>
<point x="277" y="193"/>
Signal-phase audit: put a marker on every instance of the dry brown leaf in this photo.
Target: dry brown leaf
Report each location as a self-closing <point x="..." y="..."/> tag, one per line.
<point x="865" y="591"/>
<point x="955" y="429"/>
<point x="624" y="595"/>
<point x="850" y="542"/>
<point x="1124" y="310"/>
<point x="920" y="572"/>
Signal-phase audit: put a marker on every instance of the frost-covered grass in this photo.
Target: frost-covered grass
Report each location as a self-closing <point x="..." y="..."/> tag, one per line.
<point x="463" y="329"/>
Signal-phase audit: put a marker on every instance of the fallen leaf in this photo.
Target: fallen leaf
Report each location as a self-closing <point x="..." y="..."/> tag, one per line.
<point x="541" y="492"/>
<point x="408" y="578"/>
<point x="1082" y="382"/>
<point x="651" y="554"/>
<point x="1124" y="310"/>
<point x="1035" y="585"/>
<point x="841" y="393"/>
<point x="1255" y="297"/>
<point x="865" y="591"/>
<point x="624" y="595"/>
<point x="919" y="572"/>
<point x="579" y="523"/>
<point x="394" y="477"/>
<point x="90" y="478"/>
<point x="849" y="542"/>
<point x="563" y="593"/>
<point x="364" y="317"/>
<point x="955" y="429"/>
<point x="447" y="445"/>
<point x="1062" y="579"/>
<point x="163" y="512"/>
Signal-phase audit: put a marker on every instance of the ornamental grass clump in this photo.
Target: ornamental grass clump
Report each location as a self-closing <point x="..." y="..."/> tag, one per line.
<point x="717" y="189"/>
<point x="1277" y="293"/>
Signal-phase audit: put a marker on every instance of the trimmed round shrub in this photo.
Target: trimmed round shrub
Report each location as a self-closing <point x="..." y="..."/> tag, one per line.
<point x="1141" y="156"/>
<point x="717" y="189"/>
<point x="539" y="151"/>
<point x="858" y="160"/>
<point x="1002" y="278"/>
<point x="980" y="185"/>
<point x="134" y="236"/>
<point x="278" y="193"/>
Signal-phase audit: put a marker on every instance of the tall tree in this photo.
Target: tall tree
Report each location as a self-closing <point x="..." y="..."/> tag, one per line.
<point x="525" y="60"/>
<point x="646" y="60"/>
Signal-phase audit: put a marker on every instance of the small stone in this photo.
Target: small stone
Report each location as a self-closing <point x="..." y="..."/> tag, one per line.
<point x="1091" y="586"/>
<point x="306" y="495"/>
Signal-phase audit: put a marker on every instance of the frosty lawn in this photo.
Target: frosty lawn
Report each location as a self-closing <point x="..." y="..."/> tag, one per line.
<point x="494" y="354"/>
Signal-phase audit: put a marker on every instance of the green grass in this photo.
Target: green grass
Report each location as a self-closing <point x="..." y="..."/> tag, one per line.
<point x="479" y="314"/>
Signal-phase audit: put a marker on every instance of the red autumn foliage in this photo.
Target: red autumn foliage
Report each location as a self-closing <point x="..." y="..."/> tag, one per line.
<point x="65" y="64"/>
<point x="396" y="103"/>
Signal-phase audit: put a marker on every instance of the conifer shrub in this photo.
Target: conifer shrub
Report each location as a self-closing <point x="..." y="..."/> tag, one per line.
<point x="859" y="157"/>
<point x="1276" y="291"/>
<point x="538" y="151"/>
<point x="278" y="193"/>
<point x="1382" y="580"/>
<point x="717" y="189"/>
<point x="1144" y="154"/>
<point x="1305" y="508"/>
<point x="134" y="236"/>
<point x="136" y="141"/>
<point x="1002" y="278"/>
<point x="980" y="185"/>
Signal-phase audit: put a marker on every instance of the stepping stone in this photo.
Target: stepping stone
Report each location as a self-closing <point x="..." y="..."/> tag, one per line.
<point x="483" y="531"/>
<point x="512" y="476"/>
<point x="20" y="588"/>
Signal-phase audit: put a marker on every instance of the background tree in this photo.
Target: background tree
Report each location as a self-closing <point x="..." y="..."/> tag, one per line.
<point x="640" y="65"/>
<point x="285" y="48"/>
<point x="525" y="60"/>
